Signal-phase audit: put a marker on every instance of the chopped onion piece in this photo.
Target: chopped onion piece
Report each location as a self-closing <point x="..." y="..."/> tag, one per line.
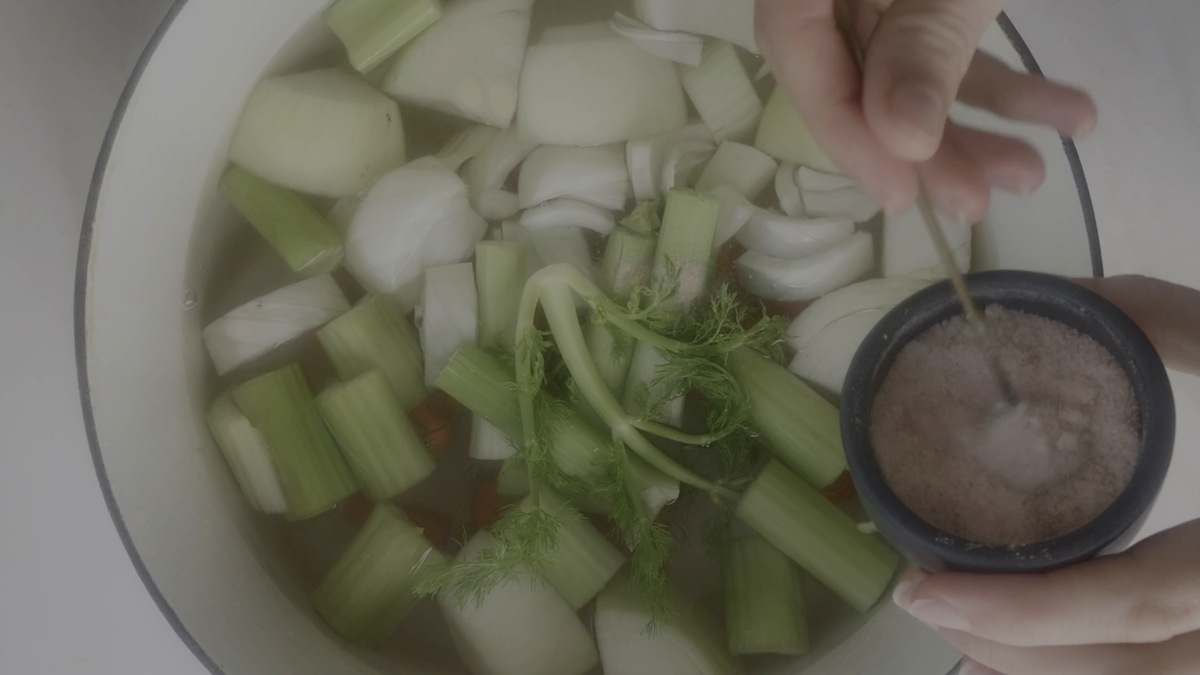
<point x="808" y="278"/>
<point x="908" y="251"/>
<point x="645" y="158"/>
<point x="449" y="315"/>
<point x="583" y="85"/>
<point x="465" y="145"/>
<point x="520" y="627"/>
<point x="744" y="167"/>
<point x="596" y="175"/>
<point x="261" y="325"/>
<point x="249" y="458"/>
<point x="819" y="181"/>
<point x="490" y="169"/>
<point x="498" y="205"/>
<point x="781" y="236"/>
<point x="828" y="332"/>
<point x="729" y="20"/>
<point x="342" y="212"/>
<point x="735" y="212"/>
<point x="468" y="64"/>
<point x="414" y="218"/>
<point x="674" y="46"/>
<point x="784" y="135"/>
<point x="682" y="164"/>
<point x="850" y="202"/>
<point x="324" y="132"/>
<point x="787" y="191"/>
<point x="723" y="93"/>
<point x="568" y="213"/>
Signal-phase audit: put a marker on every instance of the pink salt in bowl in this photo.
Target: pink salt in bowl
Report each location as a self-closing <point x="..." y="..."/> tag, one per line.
<point x="938" y="549"/>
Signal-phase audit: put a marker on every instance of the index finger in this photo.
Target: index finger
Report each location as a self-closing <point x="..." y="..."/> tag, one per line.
<point x="801" y="41"/>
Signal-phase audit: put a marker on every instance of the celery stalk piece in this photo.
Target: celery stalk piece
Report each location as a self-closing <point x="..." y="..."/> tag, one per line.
<point x="511" y="230"/>
<point x="293" y="227"/>
<point x="685" y="244"/>
<point x="584" y="561"/>
<point x="625" y="268"/>
<point x="468" y="64"/>
<point x="499" y="278"/>
<point x="377" y="439"/>
<point x="376" y="335"/>
<point x="794" y="422"/>
<point x="763" y="609"/>
<point x="247" y="454"/>
<point x="520" y="627"/>
<point x="373" y="30"/>
<point x="370" y="590"/>
<point x="312" y="472"/>
<point x="822" y="539"/>
<point x="746" y="168"/>
<point x="723" y="93"/>
<point x="643" y="219"/>
<point x="450" y="315"/>
<point x="680" y="643"/>
<point x="261" y="325"/>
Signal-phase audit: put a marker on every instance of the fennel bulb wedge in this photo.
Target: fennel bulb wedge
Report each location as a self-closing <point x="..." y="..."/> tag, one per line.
<point x="679" y="645"/>
<point x="519" y="627"/>
<point x="324" y="132"/>
<point x="783" y="135"/>
<point x="908" y="251"/>
<point x="468" y="64"/>
<point x="414" y="218"/>
<point x="583" y="85"/>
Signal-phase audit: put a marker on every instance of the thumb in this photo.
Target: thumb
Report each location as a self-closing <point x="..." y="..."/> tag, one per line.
<point x="918" y="55"/>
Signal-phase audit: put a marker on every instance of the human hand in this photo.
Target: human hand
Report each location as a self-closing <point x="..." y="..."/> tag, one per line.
<point x="888" y="125"/>
<point x="1134" y="613"/>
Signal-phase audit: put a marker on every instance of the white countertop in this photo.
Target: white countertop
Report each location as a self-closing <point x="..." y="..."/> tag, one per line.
<point x="70" y="601"/>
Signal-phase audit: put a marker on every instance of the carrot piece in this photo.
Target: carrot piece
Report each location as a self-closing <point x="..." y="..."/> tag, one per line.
<point x="488" y="503"/>
<point x="434" y="420"/>
<point x="841" y="490"/>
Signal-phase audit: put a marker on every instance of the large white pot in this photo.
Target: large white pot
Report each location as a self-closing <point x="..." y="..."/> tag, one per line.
<point x="152" y="232"/>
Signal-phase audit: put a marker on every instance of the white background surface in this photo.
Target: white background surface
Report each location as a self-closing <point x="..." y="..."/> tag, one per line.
<point x="70" y="601"/>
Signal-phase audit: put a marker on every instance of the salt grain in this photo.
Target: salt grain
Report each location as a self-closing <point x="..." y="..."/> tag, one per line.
<point x="964" y="462"/>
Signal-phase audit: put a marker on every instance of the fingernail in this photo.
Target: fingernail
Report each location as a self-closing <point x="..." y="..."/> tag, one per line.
<point x="938" y="613"/>
<point x="1084" y="130"/>
<point x="903" y="593"/>
<point x="920" y="107"/>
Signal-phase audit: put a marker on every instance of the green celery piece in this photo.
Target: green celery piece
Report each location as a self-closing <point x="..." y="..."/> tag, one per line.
<point x="625" y="269"/>
<point x="794" y="422"/>
<point x="376" y="335"/>
<point x="499" y="279"/>
<point x="370" y="590"/>
<point x="375" y="434"/>
<point x="297" y="231"/>
<point x="643" y="219"/>
<point x="373" y="30"/>
<point x="821" y="538"/>
<point x="763" y="609"/>
<point x="584" y="561"/>
<point x="311" y="470"/>
<point x="685" y="243"/>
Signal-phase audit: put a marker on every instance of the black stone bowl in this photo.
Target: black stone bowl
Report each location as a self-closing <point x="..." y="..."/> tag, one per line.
<point x="1044" y="295"/>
